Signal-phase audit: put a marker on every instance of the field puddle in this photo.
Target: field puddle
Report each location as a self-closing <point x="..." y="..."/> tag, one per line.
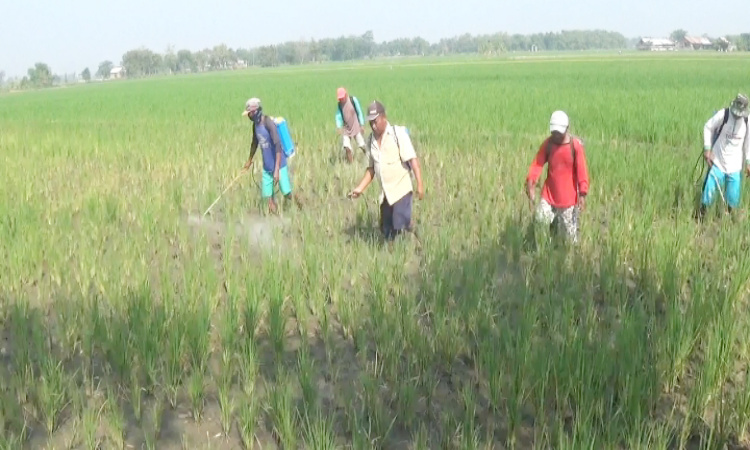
<point x="258" y="231"/>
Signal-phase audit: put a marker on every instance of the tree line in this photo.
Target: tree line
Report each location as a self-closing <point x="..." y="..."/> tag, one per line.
<point x="143" y="62"/>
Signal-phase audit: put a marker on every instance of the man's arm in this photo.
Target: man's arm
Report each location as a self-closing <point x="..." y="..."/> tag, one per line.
<point x="709" y="129"/>
<point x="582" y="170"/>
<point x="409" y="156"/>
<point x="535" y="170"/>
<point x="366" y="179"/>
<point x="582" y="174"/>
<point x="253" y="148"/>
<point x="339" y="118"/>
<point x="746" y="149"/>
<point x="414" y="162"/>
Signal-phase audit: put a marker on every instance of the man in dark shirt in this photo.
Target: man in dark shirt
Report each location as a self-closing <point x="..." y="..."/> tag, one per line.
<point x="275" y="168"/>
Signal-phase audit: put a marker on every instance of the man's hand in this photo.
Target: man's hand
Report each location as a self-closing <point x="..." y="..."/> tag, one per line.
<point x="581" y="202"/>
<point x="247" y="165"/>
<point x="707" y="156"/>
<point x="530" y="195"/>
<point x="420" y="191"/>
<point x="276" y="175"/>
<point x="354" y="194"/>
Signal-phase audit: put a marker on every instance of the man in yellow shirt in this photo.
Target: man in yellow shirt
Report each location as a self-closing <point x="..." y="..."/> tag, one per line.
<point x="392" y="159"/>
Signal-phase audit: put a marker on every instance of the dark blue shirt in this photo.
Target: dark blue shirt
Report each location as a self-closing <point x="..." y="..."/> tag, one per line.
<point x="269" y="141"/>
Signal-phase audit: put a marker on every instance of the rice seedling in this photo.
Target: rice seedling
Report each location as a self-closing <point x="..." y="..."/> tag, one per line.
<point x="307" y="381"/>
<point x="116" y="421"/>
<point x="196" y="392"/>
<point x="318" y="431"/>
<point x="283" y="412"/>
<point x="247" y="421"/>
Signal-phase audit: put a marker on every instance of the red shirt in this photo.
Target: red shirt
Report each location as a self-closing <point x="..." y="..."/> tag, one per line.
<point x="559" y="188"/>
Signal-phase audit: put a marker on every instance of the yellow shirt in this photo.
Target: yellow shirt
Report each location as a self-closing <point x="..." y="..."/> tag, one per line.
<point x="390" y="164"/>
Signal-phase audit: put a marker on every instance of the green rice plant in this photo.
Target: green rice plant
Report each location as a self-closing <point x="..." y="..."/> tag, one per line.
<point x="252" y="313"/>
<point x="115" y="419"/>
<point x="469" y="433"/>
<point x="306" y="379"/>
<point x="90" y="420"/>
<point x="117" y="349"/>
<point x="13" y="427"/>
<point x="358" y="427"/>
<point x="136" y="391"/>
<point x="282" y="411"/>
<point x="420" y="439"/>
<point x="741" y="406"/>
<point x="172" y="368"/>
<point x="318" y="431"/>
<point x="227" y="404"/>
<point x="406" y="403"/>
<point x="92" y="335"/>
<point x="277" y="325"/>
<point x="247" y="421"/>
<point x="197" y="349"/>
<point x="52" y="393"/>
<point x="379" y="420"/>
<point x="155" y="420"/>
<point x="196" y="392"/>
<point x="230" y="338"/>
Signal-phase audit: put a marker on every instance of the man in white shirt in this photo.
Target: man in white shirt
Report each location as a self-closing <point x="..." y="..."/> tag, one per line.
<point x="392" y="160"/>
<point x="726" y="154"/>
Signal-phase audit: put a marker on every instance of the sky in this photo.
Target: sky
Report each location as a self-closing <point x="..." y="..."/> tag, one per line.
<point x="71" y="35"/>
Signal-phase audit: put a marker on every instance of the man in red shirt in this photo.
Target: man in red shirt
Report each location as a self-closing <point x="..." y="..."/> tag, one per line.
<point x="564" y="191"/>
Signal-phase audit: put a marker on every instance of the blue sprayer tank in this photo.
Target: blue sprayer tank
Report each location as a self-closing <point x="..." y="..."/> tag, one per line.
<point x="285" y="136"/>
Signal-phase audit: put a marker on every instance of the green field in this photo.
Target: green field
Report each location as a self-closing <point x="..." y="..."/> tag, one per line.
<point x="128" y="320"/>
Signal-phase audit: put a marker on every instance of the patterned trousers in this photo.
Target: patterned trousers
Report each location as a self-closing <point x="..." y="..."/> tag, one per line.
<point x="566" y="217"/>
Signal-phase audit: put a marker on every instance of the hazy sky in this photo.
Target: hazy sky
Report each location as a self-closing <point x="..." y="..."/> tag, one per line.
<point x="70" y="35"/>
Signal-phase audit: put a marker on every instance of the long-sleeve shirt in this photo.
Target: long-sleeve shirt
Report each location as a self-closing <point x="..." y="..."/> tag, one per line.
<point x="563" y="183"/>
<point x="266" y="135"/>
<point x="731" y="146"/>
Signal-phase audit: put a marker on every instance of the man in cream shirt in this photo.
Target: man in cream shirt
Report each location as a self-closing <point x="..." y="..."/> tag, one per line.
<point x="392" y="159"/>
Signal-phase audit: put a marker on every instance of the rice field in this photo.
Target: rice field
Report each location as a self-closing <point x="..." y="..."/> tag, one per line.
<point x="128" y="320"/>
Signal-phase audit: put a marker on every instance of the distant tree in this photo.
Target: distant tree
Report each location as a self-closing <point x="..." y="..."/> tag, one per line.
<point x="170" y="60"/>
<point x="185" y="61"/>
<point x="142" y="62"/>
<point x="678" y="35"/>
<point x="40" y="76"/>
<point x="86" y="75"/>
<point x="222" y="57"/>
<point x="201" y="59"/>
<point x="2" y="78"/>
<point x="105" y="67"/>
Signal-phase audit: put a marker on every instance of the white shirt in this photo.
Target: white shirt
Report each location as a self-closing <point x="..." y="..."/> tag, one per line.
<point x="390" y="163"/>
<point x="731" y="146"/>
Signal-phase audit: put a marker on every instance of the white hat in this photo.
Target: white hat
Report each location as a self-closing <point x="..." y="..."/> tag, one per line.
<point x="251" y="105"/>
<point x="558" y="122"/>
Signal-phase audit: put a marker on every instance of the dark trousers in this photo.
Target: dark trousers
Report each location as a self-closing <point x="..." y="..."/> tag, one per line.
<point x="396" y="218"/>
